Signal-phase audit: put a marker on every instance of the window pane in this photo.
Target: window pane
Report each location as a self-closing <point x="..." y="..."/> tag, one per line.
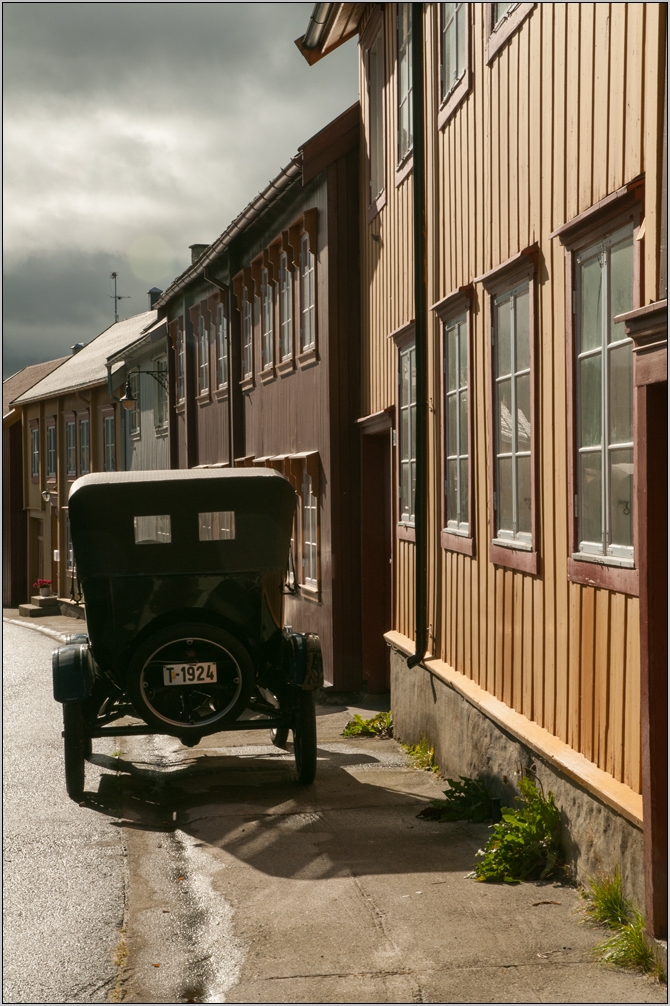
<point x="521" y="324"/>
<point x="523" y="495"/>
<point x="404" y="434"/>
<point x="503" y="355"/>
<point x="621" y="394"/>
<point x="591" y="306"/>
<point x="463" y="446"/>
<point x="590" y="376"/>
<point x="505" y="417"/>
<point x="452" y="487"/>
<point x="621" y="495"/>
<point x="154" y="530"/>
<point x="452" y="445"/>
<point x="621" y="285"/>
<point x="216" y="526"/>
<point x="523" y="412"/>
<point x="504" y="491"/>
<point x="452" y="358"/>
<point x="463" y="347"/>
<point x="460" y="38"/>
<point x="590" y="482"/>
<point x="463" y="516"/>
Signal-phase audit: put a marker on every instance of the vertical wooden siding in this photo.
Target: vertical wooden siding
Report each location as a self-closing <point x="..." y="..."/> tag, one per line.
<point x="559" y="120"/>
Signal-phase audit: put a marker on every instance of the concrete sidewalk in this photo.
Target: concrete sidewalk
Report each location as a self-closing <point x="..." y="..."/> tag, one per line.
<point x="246" y="888"/>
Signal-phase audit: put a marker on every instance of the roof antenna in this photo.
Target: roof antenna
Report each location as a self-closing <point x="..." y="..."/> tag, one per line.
<point x="117" y="297"/>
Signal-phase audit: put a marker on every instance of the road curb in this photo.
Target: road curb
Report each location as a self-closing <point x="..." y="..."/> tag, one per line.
<point x="60" y="636"/>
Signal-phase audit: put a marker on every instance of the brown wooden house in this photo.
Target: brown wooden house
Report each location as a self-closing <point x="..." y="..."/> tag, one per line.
<point x="497" y="349"/>
<point x="264" y="330"/>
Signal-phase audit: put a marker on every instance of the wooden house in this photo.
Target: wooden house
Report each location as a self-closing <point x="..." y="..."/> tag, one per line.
<point x="504" y="421"/>
<point x="71" y="425"/>
<point x="263" y="329"/>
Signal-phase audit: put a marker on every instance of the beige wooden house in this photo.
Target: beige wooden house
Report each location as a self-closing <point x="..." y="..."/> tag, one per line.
<point x="545" y="223"/>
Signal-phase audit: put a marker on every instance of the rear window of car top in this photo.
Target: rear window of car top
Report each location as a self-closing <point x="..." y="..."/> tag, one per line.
<point x="154" y="530"/>
<point x="216" y="526"/>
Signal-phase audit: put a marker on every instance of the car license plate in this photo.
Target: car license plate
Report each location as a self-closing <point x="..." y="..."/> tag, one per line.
<point x="189" y="674"/>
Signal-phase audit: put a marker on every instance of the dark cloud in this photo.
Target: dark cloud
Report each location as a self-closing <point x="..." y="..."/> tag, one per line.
<point x="140" y="125"/>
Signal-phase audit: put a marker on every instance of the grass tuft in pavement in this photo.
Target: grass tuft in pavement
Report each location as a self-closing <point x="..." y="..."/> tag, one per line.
<point x="380" y="726"/>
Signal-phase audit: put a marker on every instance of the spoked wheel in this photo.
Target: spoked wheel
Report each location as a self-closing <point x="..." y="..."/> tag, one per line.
<point x="304" y="737"/>
<point x="279" y="736"/>
<point x="75" y="743"/>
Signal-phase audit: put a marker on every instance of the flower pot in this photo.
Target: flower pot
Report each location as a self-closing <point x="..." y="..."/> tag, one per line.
<point x="45" y="591"/>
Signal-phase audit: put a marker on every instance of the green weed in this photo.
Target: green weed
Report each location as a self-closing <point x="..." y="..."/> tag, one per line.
<point x="380" y="726"/>
<point x="422" y="755"/>
<point x="525" y="844"/>
<point x="628" y="946"/>
<point x="467" y="800"/>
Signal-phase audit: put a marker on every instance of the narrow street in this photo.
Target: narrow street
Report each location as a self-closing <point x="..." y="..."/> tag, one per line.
<point x="242" y="887"/>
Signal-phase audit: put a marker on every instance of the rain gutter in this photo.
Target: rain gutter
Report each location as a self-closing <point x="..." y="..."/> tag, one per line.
<point x="420" y="336"/>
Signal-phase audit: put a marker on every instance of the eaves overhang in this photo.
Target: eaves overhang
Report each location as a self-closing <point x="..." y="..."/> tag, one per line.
<point x="330" y="26"/>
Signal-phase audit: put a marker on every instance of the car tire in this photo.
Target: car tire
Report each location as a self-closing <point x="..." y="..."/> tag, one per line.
<point x="279" y="736"/>
<point x="152" y="702"/>
<point x="304" y="737"/>
<point x="74" y="742"/>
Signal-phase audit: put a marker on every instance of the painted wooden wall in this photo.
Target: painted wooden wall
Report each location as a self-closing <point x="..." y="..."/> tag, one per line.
<point x="567" y="113"/>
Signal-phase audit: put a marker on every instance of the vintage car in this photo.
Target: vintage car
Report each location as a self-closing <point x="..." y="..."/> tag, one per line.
<point x="184" y="576"/>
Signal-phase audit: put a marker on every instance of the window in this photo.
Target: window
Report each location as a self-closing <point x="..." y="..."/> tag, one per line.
<point x="221" y="347"/>
<point x="267" y="326"/>
<point x="309" y="532"/>
<point x="69" y="561"/>
<point x="372" y="44"/>
<point x="51" y="450"/>
<point x="453" y="45"/>
<point x="181" y="363"/>
<point x="307" y="307"/>
<point x="216" y="526"/>
<point x="203" y="356"/>
<point x="160" y="393"/>
<point x="457" y="426"/>
<point x="604" y="400"/>
<point x="512" y="418"/>
<point x="71" y="448"/>
<point x="247" y="337"/>
<point x="84" y="447"/>
<point x="285" y="309"/>
<point x="34" y="452"/>
<point x="154" y="530"/>
<point x="135" y="414"/>
<point x="109" y="438"/>
<point x="501" y="22"/>
<point x="404" y="71"/>
<point x="407" y="433"/>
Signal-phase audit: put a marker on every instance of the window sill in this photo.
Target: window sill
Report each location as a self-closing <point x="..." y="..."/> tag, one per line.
<point x="161" y="431"/>
<point x="247" y="384"/>
<point x="286" y="366"/>
<point x="308" y="358"/>
<point x="506" y="28"/>
<point x="375" y="208"/>
<point x="453" y="100"/>
<point x="404" y="170"/>
<point x="522" y="546"/>
<point x="267" y="375"/>
<point x="599" y="574"/>
<point x="203" y="398"/>
<point x="405" y="532"/>
<point x="309" y="593"/>
<point x="180" y="407"/>
<point x="221" y="393"/>
<point x="136" y="435"/>
<point x="452" y="541"/>
<point x="513" y="557"/>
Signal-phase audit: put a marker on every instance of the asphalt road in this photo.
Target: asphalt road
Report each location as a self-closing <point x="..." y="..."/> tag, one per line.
<point x="64" y="865"/>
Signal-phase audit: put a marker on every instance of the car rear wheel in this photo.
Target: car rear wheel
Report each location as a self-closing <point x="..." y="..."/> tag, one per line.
<point x="190" y="679"/>
<point x="75" y="745"/>
<point x="304" y="737"/>
<point x="279" y="736"/>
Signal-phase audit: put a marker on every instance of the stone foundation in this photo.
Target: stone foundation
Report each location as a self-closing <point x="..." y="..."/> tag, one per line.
<point x="595" y="838"/>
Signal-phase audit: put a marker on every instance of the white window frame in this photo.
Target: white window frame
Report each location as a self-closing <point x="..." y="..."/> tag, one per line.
<point x="203" y="356"/>
<point x="51" y="450"/>
<point x="459" y="419"/>
<point x="84" y="446"/>
<point x="109" y="424"/>
<point x="135" y="414"/>
<point x="70" y="448"/>
<point x="247" y="337"/>
<point x="405" y="131"/>
<point x="307" y="295"/>
<point x="35" y="452"/>
<point x="372" y="44"/>
<point x="159" y="364"/>
<point x="407" y="434"/>
<point x="221" y="346"/>
<point x="181" y="363"/>
<point x="604" y="551"/>
<point x="267" y="322"/>
<point x="310" y="546"/>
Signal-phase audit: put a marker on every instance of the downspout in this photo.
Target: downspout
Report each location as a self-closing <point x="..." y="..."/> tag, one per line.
<point x="225" y="289"/>
<point x="420" y="336"/>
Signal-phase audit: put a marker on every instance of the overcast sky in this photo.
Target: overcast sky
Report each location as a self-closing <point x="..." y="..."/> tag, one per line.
<point x="131" y="131"/>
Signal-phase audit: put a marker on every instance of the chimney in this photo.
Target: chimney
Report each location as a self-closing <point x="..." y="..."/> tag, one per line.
<point x="154" y="294"/>
<point x="197" y="251"/>
<point x="77" y="348"/>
